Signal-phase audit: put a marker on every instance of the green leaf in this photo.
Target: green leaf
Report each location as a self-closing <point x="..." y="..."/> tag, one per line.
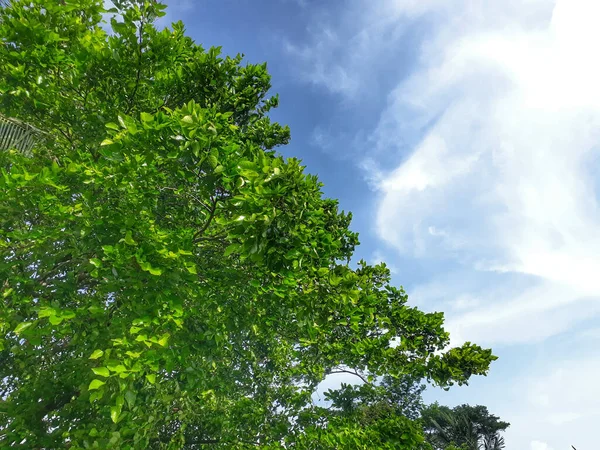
<point x="97" y="354"/>
<point x="22" y="327"/>
<point x="102" y="371"/>
<point x="163" y="341"/>
<point x="146" y="117"/>
<point x="118" y="368"/>
<point x="96" y="384"/>
<point x="112" y="126"/>
<point x="128" y="239"/>
<point x="155" y="271"/>
<point x="231" y="249"/>
<point x="188" y="119"/>
<point x="248" y="165"/>
<point x="151" y="378"/>
<point x="66" y="315"/>
<point x="46" y="312"/>
<point x="106" y="142"/>
<point x="96" y="262"/>
<point x="55" y="320"/>
<point x="115" y="412"/>
<point x="130" y="397"/>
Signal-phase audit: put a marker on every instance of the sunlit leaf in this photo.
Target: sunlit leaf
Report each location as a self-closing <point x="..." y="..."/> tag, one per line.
<point x="96" y="384"/>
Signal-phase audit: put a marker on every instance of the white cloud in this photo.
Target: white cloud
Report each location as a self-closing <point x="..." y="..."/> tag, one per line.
<point x="503" y="180"/>
<point x="334" y="77"/>
<point x="538" y="445"/>
<point x="505" y="176"/>
<point x="558" y="409"/>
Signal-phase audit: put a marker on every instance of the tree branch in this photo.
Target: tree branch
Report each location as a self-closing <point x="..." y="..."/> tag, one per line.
<point x="139" y="66"/>
<point x="351" y="373"/>
<point x="211" y="215"/>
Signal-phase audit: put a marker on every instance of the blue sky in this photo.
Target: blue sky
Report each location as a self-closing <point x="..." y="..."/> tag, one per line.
<point x="464" y="138"/>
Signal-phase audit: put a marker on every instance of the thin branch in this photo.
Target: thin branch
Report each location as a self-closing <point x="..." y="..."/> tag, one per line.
<point x="187" y="194"/>
<point x="351" y="373"/>
<point x="139" y="65"/>
<point x="208" y="221"/>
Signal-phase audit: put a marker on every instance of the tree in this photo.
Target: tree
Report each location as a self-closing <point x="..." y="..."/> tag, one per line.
<point x="471" y="427"/>
<point x="168" y="280"/>
<point x="387" y="407"/>
<point x="391" y="396"/>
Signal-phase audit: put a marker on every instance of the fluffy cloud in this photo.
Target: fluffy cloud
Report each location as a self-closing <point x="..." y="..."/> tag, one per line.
<point x="538" y="445"/>
<point x="504" y="179"/>
<point x="503" y="106"/>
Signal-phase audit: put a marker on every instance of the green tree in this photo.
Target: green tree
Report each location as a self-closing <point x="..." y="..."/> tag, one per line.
<point x="391" y="396"/>
<point x="167" y="279"/>
<point x="471" y="427"/>
<point x="386" y="407"/>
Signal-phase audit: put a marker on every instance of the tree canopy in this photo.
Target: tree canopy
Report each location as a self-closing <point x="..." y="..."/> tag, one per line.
<point x="465" y="426"/>
<point x="168" y="280"/>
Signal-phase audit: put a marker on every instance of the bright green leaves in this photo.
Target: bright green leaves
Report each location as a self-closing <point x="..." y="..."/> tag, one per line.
<point x="145" y="265"/>
<point x="96" y="354"/>
<point x="115" y="410"/>
<point x="96" y="262"/>
<point x="191" y="268"/>
<point x="151" y="378"/>
<point x="117" y="368"/>
<point x="145" y="117"/>
<point x="96" y="384"/>
<point x="102" y="371"/>
<point x="163" y="340"/>
<point x="128" y="239"/>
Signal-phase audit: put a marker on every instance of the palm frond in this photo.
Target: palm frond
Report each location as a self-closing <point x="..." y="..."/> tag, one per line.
<point x="493" y="442"/>
<point x="18" y="135"/>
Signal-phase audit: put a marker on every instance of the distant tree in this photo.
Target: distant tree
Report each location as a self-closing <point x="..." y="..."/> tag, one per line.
<point x="167" y="280"/>
<point x="391" y="396"/>
<point x="471" y="427"/>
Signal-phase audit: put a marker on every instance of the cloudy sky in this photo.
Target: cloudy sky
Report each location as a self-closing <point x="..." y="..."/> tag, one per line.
<point x="464" y="137"/>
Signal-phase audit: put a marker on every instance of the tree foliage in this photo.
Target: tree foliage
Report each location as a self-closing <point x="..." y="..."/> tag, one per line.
<point x="167" y="279"/>
<point x="400" y="396"/>
<point x="464" y="426"/>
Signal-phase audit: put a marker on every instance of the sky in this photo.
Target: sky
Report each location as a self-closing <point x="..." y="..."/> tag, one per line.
<point x="464" y="138"/>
